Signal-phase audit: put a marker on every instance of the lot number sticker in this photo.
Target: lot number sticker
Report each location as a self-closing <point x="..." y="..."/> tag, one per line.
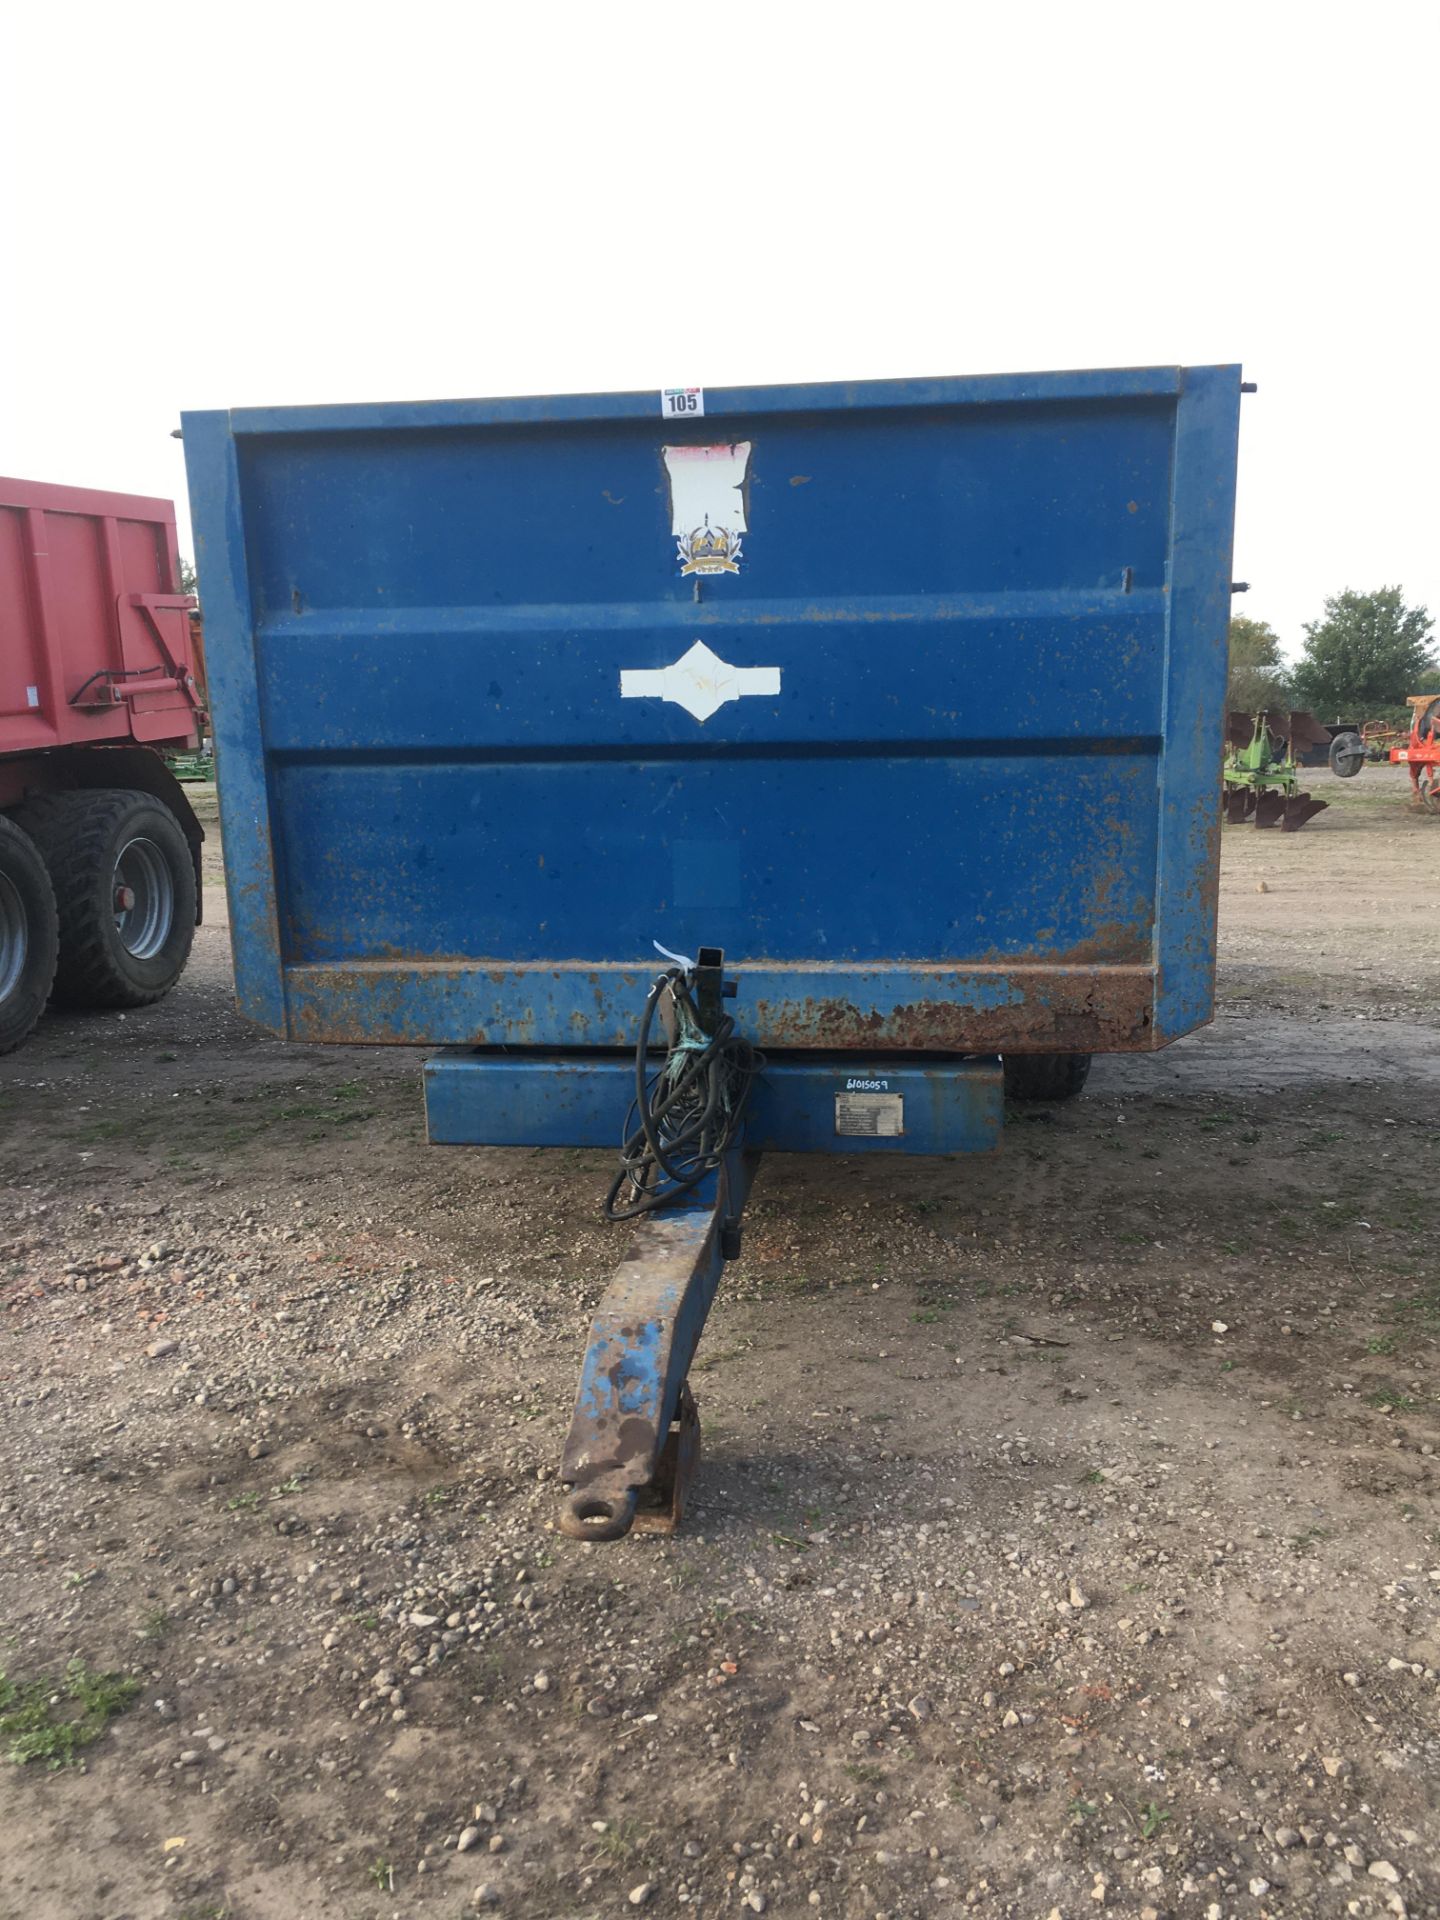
<point x="682" y="403"/>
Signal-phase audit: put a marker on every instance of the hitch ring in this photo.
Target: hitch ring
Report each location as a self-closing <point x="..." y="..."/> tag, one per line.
<point x="598" y="1516"/>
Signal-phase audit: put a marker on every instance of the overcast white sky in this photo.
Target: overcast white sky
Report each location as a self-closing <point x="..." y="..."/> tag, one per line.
<point x="224" y="204"/>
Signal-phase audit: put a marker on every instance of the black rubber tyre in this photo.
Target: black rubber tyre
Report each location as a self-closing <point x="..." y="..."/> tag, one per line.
<point x="29" y="938"/>
<point x="124" y="891"/>
<point x="1347" y="755"/>
<point x="1045" y="1076"/>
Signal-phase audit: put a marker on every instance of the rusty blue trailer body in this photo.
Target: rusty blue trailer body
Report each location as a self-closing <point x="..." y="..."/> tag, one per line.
<point x="906" y="695"/>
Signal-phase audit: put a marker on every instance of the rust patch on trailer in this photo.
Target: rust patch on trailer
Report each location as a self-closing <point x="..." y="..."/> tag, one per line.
<point x="1097" y="1010"/>
<point x="1118" y="945"/>
<point x="1083" y="1004"/>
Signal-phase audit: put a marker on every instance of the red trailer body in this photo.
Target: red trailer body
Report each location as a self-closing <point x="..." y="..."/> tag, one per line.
<point x="99" y="848"/>
<point x="94" y="632"/>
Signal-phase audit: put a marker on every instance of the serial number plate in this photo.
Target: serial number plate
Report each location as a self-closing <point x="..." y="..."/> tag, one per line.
<point x="871" y="1115"/>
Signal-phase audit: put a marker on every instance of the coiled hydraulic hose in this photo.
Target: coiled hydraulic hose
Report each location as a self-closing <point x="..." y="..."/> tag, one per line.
<point x="688" y="1110"/>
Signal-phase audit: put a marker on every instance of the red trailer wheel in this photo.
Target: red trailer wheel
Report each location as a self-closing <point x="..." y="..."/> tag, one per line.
<point x="125" y="892"/>
<point x="28" y="939"/>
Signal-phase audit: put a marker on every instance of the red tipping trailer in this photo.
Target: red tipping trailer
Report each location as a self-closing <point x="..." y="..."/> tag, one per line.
<point x="99" y="848"/>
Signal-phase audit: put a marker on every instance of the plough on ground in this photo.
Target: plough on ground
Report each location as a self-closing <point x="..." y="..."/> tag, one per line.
<point x="1262" y="770"/>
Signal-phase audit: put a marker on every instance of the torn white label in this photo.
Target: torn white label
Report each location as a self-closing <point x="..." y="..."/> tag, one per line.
<point x="682" y="403"/>
<point x="707" y="505"/>
<point x="873" y="1115"/>
<point x="700" y="681"/>
<point x="680" y="959"/>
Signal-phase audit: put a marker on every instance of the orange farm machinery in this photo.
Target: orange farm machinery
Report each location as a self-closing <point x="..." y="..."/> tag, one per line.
<point x="1421" y="752"/>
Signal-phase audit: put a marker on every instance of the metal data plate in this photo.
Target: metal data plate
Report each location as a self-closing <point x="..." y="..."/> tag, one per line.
<point x="870" y="1115"/>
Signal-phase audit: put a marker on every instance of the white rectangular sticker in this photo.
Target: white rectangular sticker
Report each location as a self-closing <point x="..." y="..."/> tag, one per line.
<point x="875" y="1115"/>
<point x="707" y="504"/>
<point x="682" y="403"/>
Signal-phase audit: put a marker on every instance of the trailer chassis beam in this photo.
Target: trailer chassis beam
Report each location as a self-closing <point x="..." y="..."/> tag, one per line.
<point x="634" y="1438"/>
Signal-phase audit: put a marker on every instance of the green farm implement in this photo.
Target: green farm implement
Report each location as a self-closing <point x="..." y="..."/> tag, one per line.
<point x="1262" y="770"/>
<point x="191" y="767"/>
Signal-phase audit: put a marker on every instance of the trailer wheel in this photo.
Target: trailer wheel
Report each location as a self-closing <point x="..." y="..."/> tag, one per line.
<point x="28" y="937"/>
<point x="1045" y="1076"/>
<point x="124" y="891"/>
<point x="1347" y="755"/>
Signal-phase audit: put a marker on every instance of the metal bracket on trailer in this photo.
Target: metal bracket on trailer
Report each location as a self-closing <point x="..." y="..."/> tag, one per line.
<point x="111" y="687"/>
<point x="634" y="1439"/>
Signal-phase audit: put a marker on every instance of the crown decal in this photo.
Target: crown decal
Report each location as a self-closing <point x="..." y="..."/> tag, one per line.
<point x="707" y="549"/>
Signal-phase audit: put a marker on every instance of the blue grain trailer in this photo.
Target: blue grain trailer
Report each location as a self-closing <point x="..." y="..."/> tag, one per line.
<point x="888" y="712"/>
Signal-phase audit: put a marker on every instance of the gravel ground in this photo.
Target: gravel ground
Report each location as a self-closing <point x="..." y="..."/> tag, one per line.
<point x="1066" y="1539"/>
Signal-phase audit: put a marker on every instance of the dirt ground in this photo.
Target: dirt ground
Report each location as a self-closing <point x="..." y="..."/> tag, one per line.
<point x="1067" y="1537"/>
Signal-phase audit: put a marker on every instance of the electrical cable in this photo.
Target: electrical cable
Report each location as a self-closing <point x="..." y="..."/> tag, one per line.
<point x="689" y="1109"/>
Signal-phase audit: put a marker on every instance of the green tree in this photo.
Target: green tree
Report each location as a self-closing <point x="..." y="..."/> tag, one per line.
<point x="1257" y="673"/>
<point x="1368" y="652"/>
<point x="189" y="581"/>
